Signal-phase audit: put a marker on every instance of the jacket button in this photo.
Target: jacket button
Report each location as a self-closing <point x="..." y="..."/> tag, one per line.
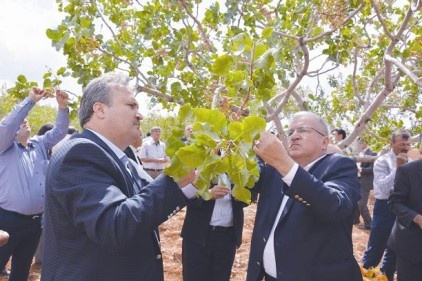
<point x="300" y="199"/>
<point x="297" y="196"/>
<point x="265" y="240"/>
<point x="258" y="264"/>
<point x="309" y="205"/>
<point x="158" y="257"/>
<point x="304" y="202"/>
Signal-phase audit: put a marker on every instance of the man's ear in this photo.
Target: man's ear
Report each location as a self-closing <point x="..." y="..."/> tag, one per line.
<point x="99" y="110"/>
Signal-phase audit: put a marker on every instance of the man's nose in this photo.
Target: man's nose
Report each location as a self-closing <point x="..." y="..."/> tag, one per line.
<point x="139" y="116"/>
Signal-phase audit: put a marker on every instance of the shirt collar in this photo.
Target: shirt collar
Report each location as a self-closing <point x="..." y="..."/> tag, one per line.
<point x="119" y="153"/>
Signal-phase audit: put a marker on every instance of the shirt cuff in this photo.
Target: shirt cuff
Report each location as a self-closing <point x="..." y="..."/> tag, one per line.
<point x="189" y="191"/>
<point x="288" y="178"/>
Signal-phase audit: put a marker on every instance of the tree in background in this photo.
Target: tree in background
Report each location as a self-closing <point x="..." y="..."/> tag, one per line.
<point x="355" y="62"/>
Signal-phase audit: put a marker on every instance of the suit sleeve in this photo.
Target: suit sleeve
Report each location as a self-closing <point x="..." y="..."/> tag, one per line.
<point x="400" y="195"/>
<point x="89" y="187"/>
<point x="332" y="197"/>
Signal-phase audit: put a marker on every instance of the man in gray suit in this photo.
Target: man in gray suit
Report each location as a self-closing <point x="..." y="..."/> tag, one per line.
<point x="100" y="222"/>
<point x="366" y="172"/>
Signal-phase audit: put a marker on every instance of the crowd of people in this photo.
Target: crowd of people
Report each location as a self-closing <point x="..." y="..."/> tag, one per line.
<point x="98" y="197"/>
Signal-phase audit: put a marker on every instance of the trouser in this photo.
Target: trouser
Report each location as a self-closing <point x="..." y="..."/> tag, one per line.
<point x="24" y="234"/>
<point x="383" y="221"/>
<point x="212" y="261"/>
<point x="363" y="205"/>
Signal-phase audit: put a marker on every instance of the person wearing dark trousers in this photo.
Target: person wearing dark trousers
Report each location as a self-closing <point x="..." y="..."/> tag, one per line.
<point x="212" y="231"/>
<point x="406" y="237"/>
<point x="383" y="219"/>
<point x="304" y="218"/>
<point x="366" y="184"/>
<point x="101" y="223"/>
<point x="23" y="165"/>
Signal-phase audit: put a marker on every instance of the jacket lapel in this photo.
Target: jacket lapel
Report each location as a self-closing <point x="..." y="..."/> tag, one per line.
<point x="117" y="162"/>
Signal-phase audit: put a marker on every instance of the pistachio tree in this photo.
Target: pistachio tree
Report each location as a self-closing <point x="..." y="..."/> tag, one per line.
<point x="355" y="62"/>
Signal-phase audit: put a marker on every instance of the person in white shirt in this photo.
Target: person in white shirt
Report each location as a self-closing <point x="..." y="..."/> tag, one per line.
<point x="383" y="219"/>
<point x="153" y="154"/>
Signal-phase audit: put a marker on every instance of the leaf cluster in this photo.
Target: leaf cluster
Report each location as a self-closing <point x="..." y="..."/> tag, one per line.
<point x="217" y="146"/>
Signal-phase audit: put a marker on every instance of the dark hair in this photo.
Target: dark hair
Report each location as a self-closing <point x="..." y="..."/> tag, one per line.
<point x="45" y="128"/>
<point x="340" y="132"/>
<point x="100" y="90"/>
<point x="71" y="130"/>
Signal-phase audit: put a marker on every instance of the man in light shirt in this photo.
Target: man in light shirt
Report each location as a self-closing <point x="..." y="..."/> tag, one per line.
<point x="23" y="165"/>
<point x="383" y="219"/>
<point x="304" y="220"/>
<point x="153" y="154"/>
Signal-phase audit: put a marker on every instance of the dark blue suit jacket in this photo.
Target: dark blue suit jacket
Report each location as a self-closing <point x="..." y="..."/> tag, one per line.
<point x="95" y="227"/>
<point x="405" y="202"/>
<point x="313" y="238"/>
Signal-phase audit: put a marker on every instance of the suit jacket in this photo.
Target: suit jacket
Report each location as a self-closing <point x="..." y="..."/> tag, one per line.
<point x="367" y="171"/>
<point x="198" y="217"/>
<point x="97" y="228"/>
<point x="313" y="238"/>
<point x="405" y="202"/>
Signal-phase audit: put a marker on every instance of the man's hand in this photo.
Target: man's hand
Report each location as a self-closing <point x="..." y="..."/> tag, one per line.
<point x="4" y="237"/>
<point x="188" y="179"/>
<point x="35" y="94"/>
<point x="273" y="152"/>
<point x="418" y="220"/>
<point x="219" y="191"/>
<point x="62" y="99"/>
<point x="401" y="159"/>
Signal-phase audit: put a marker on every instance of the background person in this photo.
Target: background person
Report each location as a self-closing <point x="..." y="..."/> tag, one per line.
<point x="153" y="154"/>
<point x="366" y="172"/>
<point x="406" y="237"/>
<point x="23" y="165"/>
<point x="383" y="219"/>
<point x="303" y="225"/>
<point x="212" y="231"/>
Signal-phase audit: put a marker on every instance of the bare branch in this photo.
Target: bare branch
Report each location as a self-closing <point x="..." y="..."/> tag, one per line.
<point x="201" y="29"/>
<point x="381" y="19"/>
<point x="404" y="69"/>
<point x="156" y="93"/>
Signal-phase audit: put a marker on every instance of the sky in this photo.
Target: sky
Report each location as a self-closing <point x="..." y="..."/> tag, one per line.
<point x="25" y="48"/>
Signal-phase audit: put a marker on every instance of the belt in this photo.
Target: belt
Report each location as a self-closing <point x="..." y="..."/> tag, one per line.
<point x="32" y="217"/>
<point x="154" y="170"/>
<point x="220" y="228"/>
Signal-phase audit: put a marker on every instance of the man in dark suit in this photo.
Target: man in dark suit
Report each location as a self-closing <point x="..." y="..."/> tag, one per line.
<point x="212" y="231"/>
<point x="100" y="222"/>
<point x="406" y="237"/>
<point x="304" y="219"/>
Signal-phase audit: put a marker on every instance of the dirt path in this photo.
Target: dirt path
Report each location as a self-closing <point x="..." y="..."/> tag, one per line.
<point x="172" y="243"/>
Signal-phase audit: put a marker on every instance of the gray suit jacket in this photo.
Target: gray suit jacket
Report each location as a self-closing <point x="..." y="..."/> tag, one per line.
<point x="96" y="227"/>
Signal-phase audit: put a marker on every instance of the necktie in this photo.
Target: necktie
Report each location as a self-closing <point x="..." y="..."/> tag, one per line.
<point x="136" y="181"/>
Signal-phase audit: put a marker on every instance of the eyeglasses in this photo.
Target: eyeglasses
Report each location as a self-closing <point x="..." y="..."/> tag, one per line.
<point x="303" y="130"/>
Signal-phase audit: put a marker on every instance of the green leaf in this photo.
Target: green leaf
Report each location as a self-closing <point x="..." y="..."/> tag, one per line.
<point x="267" y="32"/>
<point x="222" y="65"/>
<point x="192" y="155"/>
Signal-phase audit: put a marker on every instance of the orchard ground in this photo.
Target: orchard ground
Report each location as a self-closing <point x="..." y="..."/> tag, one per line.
<point x="172" y="244"/>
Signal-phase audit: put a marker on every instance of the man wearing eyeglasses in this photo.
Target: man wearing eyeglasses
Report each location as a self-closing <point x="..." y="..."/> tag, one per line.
<point x="303" y="225"/>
